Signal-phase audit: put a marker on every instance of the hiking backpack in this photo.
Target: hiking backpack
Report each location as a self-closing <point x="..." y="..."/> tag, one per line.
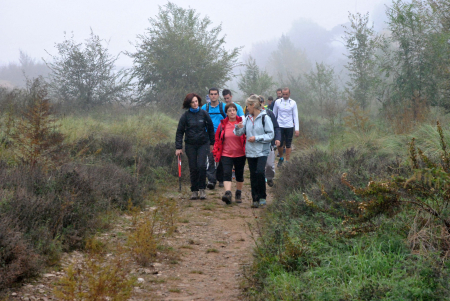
<point x="220" y="109"/>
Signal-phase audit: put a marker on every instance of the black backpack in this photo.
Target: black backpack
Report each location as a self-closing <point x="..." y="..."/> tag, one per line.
<point x="220" y="109"/>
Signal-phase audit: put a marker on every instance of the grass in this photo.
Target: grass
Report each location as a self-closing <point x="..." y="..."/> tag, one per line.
<point x="212" y="250"/>
<point x="143" y="126"/>
<point x="306" y="251"/>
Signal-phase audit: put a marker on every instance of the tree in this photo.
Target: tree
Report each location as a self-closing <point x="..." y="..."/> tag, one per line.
<point x="288" y="60"/>
<point x="180" y="53"/>
<point x="322" y="86"/>
<point x="85" y="75"/>
<point x="361" y="43"/>
<point x="255" y="80"/>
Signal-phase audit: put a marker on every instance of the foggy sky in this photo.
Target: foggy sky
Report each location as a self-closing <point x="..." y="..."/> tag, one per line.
<point x="36" y="25"/>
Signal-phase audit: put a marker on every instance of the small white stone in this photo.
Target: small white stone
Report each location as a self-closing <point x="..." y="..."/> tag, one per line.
<point x="140" y="280"/>
<point x="49" y="275"/>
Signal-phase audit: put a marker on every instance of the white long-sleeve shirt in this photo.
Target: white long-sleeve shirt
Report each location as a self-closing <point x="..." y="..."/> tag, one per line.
<point x="286" y="113"/>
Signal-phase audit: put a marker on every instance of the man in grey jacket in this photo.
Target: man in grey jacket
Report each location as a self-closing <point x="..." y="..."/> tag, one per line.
<point x="258" y="128"/>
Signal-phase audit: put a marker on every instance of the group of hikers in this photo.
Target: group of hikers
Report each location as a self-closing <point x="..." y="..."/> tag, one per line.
<point x="219" y="137"/>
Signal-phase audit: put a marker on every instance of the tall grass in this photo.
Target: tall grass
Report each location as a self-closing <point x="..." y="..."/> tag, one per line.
<point x="143" y="127"/>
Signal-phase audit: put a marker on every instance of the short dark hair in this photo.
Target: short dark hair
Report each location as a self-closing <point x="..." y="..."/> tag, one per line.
<point x="230" y="105"/>
<point x="286" y="88"/>
<point x="213" y="89"/>
<point x="188" y="99"/>
<point x="279" y="89"/>
<point x="270" y="98"/>
<point x="226" y="92"/>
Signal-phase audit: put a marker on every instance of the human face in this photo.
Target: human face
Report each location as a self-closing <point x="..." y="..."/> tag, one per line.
<point x="251" y="108"/>
<point x="286" y="94"/>
<point x="214" y="95"/>
<point x="194" y="103"/>
<point x="279" y="94"/>
<point x="228" y="98"/>
<point x="231" y="113"/>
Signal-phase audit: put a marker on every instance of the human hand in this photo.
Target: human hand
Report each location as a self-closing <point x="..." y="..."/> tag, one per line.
<point x="277" y="143"/>
<point x="297" y="133"/>
<point x="211" y="148"/>
<point x="178" y="152"/>
<point x="251" y="139"/>
<point x="241" y="124"/>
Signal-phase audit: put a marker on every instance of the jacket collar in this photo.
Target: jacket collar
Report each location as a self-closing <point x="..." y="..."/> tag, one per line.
<point x="225" y="121"/>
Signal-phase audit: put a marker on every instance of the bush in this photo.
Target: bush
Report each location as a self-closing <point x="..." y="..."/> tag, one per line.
<point x="17" y="258"/>
<point x="312" y="248"/>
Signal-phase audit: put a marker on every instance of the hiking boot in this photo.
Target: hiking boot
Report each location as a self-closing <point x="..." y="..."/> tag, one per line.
<point x="194" y="195"/>
<point x="255" y="204"/>
<point x="270" y="183"/>
<point x="280" y="162"/>
<point x="220" y="184"/>
<point x="227" y="197"/>
<point x="202" y="194"/>
<point x="262" y="202"/>
<point x="238" y="196"/>
<point x="211" y="185"/>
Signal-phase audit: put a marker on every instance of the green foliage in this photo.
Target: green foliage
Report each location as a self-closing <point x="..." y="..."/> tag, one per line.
<point x="83" y="75"/>
<point x="324" y="90"/>
<point x="180" y="53"/>
<point x="254" y="80"/>
<point x="361" y="43"/>
<point x="418" y="64"/>
<point x="387" y="240"/>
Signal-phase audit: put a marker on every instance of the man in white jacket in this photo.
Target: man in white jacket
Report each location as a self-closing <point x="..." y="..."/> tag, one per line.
<point x="285" y="109"/>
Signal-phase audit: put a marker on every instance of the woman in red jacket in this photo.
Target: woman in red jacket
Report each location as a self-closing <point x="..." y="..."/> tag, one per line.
<point x="231" y="150"/>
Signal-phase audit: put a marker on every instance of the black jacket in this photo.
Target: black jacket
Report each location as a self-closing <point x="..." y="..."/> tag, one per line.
<point x="197" y="128"/>
<point x="276" y="127"/>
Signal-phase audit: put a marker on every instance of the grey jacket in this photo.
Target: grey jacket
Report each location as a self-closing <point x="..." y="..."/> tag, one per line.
<point x="263" y="136"/>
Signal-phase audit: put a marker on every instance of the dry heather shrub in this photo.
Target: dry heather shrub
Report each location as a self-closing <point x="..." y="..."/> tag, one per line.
<point x="17" y="258"/>
<point x="404" y="116"/>
<point x="97" y="277"/>
<point x="36" y="139"/>
<point x="151" y="227"/>
<point x="143" y="241"/>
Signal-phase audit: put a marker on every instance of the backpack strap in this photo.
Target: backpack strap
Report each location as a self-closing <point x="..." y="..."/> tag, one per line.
<point x="221" y="110"/>
<point x="264" y="123"/>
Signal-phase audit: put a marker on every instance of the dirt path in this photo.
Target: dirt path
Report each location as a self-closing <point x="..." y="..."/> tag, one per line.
<point x="213" y="244"/>
<point x="203" y="260"/>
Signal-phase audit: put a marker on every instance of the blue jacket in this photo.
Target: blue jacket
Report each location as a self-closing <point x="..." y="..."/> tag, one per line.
<point x="214" y="113"/>
<point x="263" y="135"/>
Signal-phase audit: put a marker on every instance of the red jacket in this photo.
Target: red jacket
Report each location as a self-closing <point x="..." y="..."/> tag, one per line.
<point x="220" y="135"/>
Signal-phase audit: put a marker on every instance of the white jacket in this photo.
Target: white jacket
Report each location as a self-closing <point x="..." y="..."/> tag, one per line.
<point x="286" y="113"/>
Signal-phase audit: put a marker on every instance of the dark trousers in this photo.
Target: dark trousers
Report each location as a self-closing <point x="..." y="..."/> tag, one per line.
<point x="214" y="174"/>
<point x="197" y="165"/>
<point x="257" y="168"/>
<point x="228" y="162"/>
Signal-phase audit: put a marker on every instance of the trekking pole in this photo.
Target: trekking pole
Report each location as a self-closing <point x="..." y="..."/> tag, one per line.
<point x="179" y="172"/>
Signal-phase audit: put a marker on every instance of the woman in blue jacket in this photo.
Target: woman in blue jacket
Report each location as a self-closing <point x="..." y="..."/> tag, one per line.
<point x="258" y="128"/>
